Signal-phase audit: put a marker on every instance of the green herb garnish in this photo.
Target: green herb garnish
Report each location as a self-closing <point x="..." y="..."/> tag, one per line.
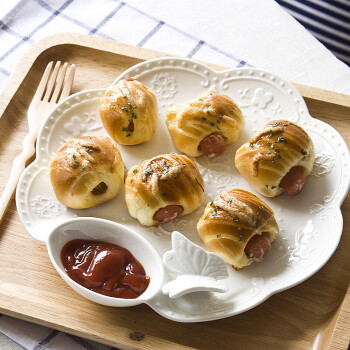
<point x="281" y="139"/>
<point x="165" y="168"/>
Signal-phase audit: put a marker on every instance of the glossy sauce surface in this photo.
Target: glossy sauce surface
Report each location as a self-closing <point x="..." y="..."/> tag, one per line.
<point x="104" y="268"/>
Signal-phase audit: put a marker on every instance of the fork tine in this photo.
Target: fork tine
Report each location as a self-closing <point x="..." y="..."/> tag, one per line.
<point x="68" y="83"/>
<point x="41" y="88"/>
<point x="51" y="81"/>
<point x="59" y="82"/>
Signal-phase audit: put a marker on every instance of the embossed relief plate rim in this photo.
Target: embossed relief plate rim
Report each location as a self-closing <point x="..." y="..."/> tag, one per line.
<point x="306" y="121"/>
<point x="221" y="77"/>
<point x="171" y="310"/>
<point x="42" y="160"/>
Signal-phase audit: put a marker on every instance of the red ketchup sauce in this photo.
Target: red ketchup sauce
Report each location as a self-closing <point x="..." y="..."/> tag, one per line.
<point x="104" y="268"/>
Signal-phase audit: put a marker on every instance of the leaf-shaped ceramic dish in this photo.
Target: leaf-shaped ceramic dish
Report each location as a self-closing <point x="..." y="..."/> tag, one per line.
<point x="304" y="245"/>
<point x="195" y="269"/>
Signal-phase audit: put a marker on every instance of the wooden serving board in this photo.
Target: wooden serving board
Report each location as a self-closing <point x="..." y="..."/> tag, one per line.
<point x="315" y="314"/>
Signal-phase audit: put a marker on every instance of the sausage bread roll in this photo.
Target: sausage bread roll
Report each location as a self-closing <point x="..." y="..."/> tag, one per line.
<point x="129" y="112"/>
<point x="239" y="227"/>
<point x="205" y="125"/>
<point x="87" y="171"/>
<point x="278" y="158"/>
<point x="163" y="188"/>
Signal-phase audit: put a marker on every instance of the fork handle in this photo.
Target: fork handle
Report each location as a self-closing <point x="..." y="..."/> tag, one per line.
<point x="18" y="167"/>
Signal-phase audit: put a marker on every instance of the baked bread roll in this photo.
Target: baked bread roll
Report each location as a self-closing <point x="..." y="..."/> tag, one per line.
<point x="278" y="158"/>
<point x="239" y="227"/>
<point x="129" y="112"/>
<point x="163" y="188"/>
<point x="205" y="125"/>
<point x="87" y="171"/>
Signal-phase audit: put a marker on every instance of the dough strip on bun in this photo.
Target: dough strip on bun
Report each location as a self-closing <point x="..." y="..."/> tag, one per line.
<point x="163" y="188"/>
<point x="239" y="227"/>
<point x="279" y="158"/>
<point x="205" y="125"/>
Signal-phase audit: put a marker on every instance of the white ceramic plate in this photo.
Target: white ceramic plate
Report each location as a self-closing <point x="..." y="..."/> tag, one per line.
<point x="310" y="223"/>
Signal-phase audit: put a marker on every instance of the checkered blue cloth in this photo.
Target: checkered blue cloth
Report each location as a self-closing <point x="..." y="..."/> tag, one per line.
<point x="23" y="22"/>
<point x="111" y="21"/>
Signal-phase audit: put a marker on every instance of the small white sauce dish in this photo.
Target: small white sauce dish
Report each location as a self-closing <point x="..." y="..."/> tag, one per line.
<point x="187" y="268"/>
<point x="90" y="228"/>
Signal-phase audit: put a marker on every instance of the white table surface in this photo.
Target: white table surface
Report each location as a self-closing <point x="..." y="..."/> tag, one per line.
<point x="226" y="32"/>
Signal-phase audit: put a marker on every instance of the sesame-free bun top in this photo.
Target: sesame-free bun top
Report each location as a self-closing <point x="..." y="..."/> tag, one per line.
<point x="87" y="171"/>
<point x="129" y="112"/>
<point x="163" y="188"/>
<point x="231" y="221"/>
<point x="210" y="113"/>
<point x="272" y="153"/>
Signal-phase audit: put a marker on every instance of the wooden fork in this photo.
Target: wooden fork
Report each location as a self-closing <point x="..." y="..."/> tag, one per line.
<point x="55" y="85"/>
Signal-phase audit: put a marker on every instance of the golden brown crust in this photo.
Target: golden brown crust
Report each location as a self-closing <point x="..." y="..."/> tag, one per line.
<point x="267" y="157"/>
<point x="87" y="171"/>
<point x="230" y="221"/>
<point x="164" y="180"/>
<point x="193" y="120"/>
<point x="129" y="112"/>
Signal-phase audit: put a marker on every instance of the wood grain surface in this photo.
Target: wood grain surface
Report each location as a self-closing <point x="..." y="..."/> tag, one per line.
<point x="313" y="315"/>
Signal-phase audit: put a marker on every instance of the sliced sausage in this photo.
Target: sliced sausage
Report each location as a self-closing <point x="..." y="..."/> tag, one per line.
<point x="294" y="181"/>
<point x="213" y="145"/>
<point x="168" y="213"/>
<point x="99" y="189"/>
<point x="131" y="126"/>
<point x="257" y="247"/>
